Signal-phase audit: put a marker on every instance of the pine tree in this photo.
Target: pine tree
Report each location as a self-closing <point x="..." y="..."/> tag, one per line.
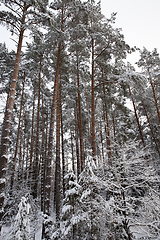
<point x="16" y="20"/>
<point x="150" y="62"/>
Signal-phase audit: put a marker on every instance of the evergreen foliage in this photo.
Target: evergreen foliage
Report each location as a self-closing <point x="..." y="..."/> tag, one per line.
<point x="80" y="138"/>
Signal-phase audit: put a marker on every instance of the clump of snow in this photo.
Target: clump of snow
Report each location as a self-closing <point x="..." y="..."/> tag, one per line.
<point x="66" y="208"/>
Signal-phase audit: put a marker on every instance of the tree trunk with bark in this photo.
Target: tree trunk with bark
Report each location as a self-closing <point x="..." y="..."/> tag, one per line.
<point x="20" y="156"/>
<point x="154" y="95"/>
<point x="137" y="118"/>
<point x="101" y="135"/>
<point x="77" y="142"/>
<point x="150" y="126"/>
<point x="57" y="195"/>
<point x="114" y="133"/>
<point x="62" y="139"/>
<point x="32" y="138"/>
<point x="51" y="130"/>
<point x="17" y="140"/>
<point x="93" y="140"/>
<point x="5" y="137"/>
<point x="37" y="147"/>
<point x="107" y="129"/>
<point x="72" y="150"/>
<point x="42" y="158"/>
<point x="80" y="119"/>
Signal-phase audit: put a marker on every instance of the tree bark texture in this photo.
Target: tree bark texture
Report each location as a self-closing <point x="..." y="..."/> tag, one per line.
<point x="8" y="117"/>
<point x="51" y="130"/>
<point x="77" y="142"/>
<point x="37" y="147"/>
<point x="137" y="118"/>
<point x="154" y="96"/>
<point x="62" y="139"/>
<point x="107" y="129"/>
<point x="20" y="155"/>
<point x="72" y="150"/>
<point x="17" y="140"/>
<point x="150" y="126"/>
<point x="93" y="140"/>
<point x="57" y="195"/>
<point x="80" y="119"/>
<point x="42" y="158"/>
<point x="101" y="134"/>
<point x="32" y="137"/>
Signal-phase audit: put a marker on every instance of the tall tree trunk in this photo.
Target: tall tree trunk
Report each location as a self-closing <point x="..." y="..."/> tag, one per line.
<point x="17" y="140"/>
<point x="7" y="119"/>
<point x="88" y="121"/>
<point x="73" y="168"/>
<point x="77" y="142"/>
<point x="107" y="128"/>
<point x="20" y="157"/>
<point x="37" y="147"/>
<point x="114" y="133"/>
<point x="32" y="137"/>
<point x="51" y="130"/>
<point x="80" y="119"/>
<point x="101" y="134"/>
<point x="93" y="140"/>
<point x="24" y="152"/>
<point x="57" y="195"/>
<point x="42" y="159"/>
<point x="45" y="159"/>
<point x="62" y="138"/>
<point x="27" y="157"/>
<point x="137" y="118"/>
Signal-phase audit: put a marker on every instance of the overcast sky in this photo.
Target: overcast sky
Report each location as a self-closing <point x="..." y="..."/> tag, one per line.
<point x="139" y="20"/>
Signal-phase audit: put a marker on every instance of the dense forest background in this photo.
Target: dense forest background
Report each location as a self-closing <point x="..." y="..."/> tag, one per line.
<point x="80" y="145"/>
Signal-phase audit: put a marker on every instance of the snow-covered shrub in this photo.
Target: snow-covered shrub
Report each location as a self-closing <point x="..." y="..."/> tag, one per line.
<point x="47" y="227"/>
<point x="70" y="217"/>
<point x="21" y="225"/>
<point x="132" y="187"/>
<point x="84" y="212"/>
